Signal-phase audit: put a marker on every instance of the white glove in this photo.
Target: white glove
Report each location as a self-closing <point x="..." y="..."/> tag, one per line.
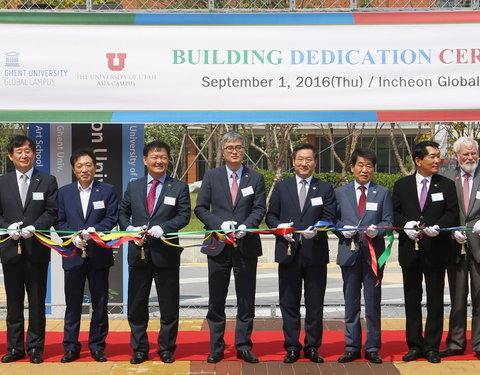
<point x="27" y="232"/>
<point x="241" y="232"/>
<point x="348" y="233"/>
<point x="460" y="237"/>
<point x="156" y="231"/>
<point x="411" y="233"/>
<point x="227" y="226"/>
<point x="13" y="230"/>
<point x="476" y="228"/>
<point x="371" y="231"/>
<point x="140" y="240"/>
<point x="86" y="233"/>
<point x="288" y="237"/>
<point x="309" y="233"/>
<point x="432" y="231"/>
<point x="79" y="242"/>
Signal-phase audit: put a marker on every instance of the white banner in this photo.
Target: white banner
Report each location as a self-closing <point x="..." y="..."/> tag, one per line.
<point x="401" y="67"/>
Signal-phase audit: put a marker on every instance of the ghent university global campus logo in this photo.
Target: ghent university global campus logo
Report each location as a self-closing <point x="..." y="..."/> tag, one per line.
<point x="116" y="61"/>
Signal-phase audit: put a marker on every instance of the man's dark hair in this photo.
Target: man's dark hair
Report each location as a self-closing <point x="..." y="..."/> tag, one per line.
<point x="305" y="146"/>
<point x="363" y="152"/>
<point x="420" y="149"/>
<point x="19" y="141"/>
<point x="82" y="152"/>
<point x="156" y="145"/>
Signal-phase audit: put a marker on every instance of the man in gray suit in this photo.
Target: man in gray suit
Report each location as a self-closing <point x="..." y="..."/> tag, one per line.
<point x="467" y="183"/>
<point x="161" y="205"/>
<point x="362" y="203"/>
<point x="232" y="196"/>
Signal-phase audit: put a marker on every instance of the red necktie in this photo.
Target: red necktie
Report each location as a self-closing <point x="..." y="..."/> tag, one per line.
<point x="234" y="189"/>
<point x="466" y="191"/>
<point x="151" y="197"/>
<point x="362" y="200"/>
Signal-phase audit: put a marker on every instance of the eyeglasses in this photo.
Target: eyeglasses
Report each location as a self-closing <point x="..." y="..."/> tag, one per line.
<point x="304" y="160"/>
<point x="237" y="148"/>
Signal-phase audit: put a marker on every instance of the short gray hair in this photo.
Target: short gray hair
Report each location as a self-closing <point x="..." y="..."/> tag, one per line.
<point x="231" y="137"/>
<point x="468" y="142"/>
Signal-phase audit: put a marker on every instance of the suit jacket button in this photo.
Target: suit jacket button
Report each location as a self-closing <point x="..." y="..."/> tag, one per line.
<point x="421" y="217"/>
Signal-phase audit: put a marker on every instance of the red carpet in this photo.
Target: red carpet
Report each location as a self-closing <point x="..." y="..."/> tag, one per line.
<point x="194" y="346"/>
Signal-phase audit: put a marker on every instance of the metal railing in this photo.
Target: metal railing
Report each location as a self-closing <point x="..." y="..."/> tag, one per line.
<point x="235" y="5"/>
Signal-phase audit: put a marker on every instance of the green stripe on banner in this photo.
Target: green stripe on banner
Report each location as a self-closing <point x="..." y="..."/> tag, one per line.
<point x="68" y="18"/>
<point x="55" y="116"/>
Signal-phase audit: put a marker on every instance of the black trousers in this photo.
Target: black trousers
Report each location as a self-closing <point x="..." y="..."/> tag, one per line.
<point x="74" y="294"/>
<point x="290" y="278"/>
<point x="168" y="292"/>
<point x="413" y="291"/>
<point x="245" y="274"/>
<point x="32" y="278"/>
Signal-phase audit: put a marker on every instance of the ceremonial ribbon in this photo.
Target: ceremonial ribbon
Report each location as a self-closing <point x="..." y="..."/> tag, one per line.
<point x="117" y="238"/>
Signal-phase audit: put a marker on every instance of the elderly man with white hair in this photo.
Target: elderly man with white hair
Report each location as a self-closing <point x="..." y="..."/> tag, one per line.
<point x="467" y="262"/>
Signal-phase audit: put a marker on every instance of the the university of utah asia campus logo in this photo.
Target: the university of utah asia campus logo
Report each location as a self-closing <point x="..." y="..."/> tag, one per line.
<point x="116" y="61"/>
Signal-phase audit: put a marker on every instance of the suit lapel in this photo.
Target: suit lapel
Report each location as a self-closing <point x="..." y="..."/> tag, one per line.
<point x="94" y="194"/>
<point x="142" y="193"/>
<point x="167" y="186"/>
<point x="244" y="182"/>
<point x="35" y="181"/>
<point x="352" y="198"/>
<point x="292" y="187"/>
<point x="12" y="176"/>
<point x="459" y="189"/>
<point x="473" y="193"/>
<point x="224" y="183"/>
<point x="312" y="190"/>
<point x="413" y="187"/>
<point x="433" y="188"/>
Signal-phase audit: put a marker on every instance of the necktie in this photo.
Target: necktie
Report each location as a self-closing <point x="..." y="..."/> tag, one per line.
<point x="234" y="189"/>
<point x="362" y="200"/>
<point x="302" y="195"/>
<point x="23" y="188"/>
<point x="151" y="197"/>
<point x="423" y="194"/>
<point x="466" y="191"/>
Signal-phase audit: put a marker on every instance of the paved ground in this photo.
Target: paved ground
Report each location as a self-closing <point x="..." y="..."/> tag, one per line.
<point x="236" y="367"/>
<point x="194" y="292"/>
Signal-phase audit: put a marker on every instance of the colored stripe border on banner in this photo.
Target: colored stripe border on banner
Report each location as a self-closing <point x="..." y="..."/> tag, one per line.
<point x="278" y="18"/>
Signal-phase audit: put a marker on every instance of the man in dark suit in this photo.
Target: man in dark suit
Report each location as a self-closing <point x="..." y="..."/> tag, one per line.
<point x="362" y="203"/>
<point x="160" y="204"/>
<point x="423" y="203"/>
<point x="300" y="201"/>
<point x="467" y="263"/>
<point x="28" y="199"/>
<point x="90" y="206"/>
<point x="232" y="196"/>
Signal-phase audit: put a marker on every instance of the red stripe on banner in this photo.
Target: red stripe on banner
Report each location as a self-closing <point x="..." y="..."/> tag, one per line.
<point x="439" y="115"/>
<point x="416" y="17"/>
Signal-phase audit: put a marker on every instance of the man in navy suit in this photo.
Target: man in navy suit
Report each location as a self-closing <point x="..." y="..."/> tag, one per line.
<point x="300" y="201"/>
<point x="423" y="203"/>
<point x="160" y="204"/>
<point x="362" y="203"/>
<point x="28" y="200"/>
<point x="86" y="205"/>
<point x="232" y="196"/>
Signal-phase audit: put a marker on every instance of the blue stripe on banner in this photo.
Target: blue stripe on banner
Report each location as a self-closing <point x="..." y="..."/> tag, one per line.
<point x="132" y="168"/>
<point x="245" y="117"/>
<point x="40" y="133"/>
<point x="246" y="19"/>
